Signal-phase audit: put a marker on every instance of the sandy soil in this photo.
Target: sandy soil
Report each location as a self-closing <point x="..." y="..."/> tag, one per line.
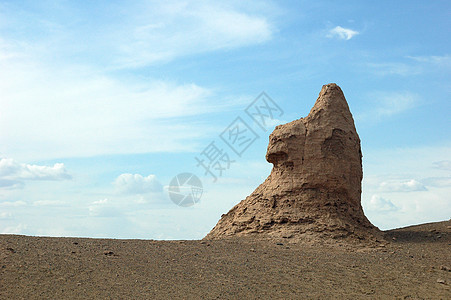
<point x="415" y="264"/>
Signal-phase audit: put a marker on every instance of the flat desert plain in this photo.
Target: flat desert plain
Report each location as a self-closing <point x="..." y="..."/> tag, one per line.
<point x="414" y="264"/>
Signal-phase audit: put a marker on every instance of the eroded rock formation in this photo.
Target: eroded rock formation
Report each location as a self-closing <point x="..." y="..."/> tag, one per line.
<point x="314" y="188"/>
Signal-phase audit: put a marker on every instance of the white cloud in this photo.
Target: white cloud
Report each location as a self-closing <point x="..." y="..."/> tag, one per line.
<point x="411" y="185"/>
<point x="100" y="202"/>
<point x="342" y="33"/>
<point x="379" y="204"/>
<point x="137" y="184"/>
<point x="12" y="173"/>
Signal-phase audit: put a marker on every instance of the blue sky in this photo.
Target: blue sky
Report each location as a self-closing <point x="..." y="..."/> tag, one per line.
<point x="103" y="103"/>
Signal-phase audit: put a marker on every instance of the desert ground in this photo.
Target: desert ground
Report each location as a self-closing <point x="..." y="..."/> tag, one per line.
<point x="414" y="264"/>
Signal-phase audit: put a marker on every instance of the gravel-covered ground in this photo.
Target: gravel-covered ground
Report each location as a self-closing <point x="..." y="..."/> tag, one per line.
<point x="415" y="264"/>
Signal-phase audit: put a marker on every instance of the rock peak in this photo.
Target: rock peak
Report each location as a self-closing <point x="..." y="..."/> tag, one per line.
<point x="332" y="102"/>
<point x="314" y="189"/>
<point x="331" y="94"/>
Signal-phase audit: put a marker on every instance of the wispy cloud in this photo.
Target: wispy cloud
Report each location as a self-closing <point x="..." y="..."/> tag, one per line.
<point x="442" y="165"/>
<point x="13" y="203"/>
<point x="415" y="65"/>
<point x="411" y="185"/>
<point x="395" y="103"/>
<point x="379" y="204"/>
<point x="387" y="104"/>
<point x="139" y="33"/>
<point x="420" y="191"/>
<point x="49" y="203"/>
<point x="443" y="60"/>
<point x="190" y="27"/>
<point x="103" y="208"/>
<point x="13" y="174"/>
<point x="439" y="182"/>
<point x="342" y="33"/>
<point x="78" y="106"/>
<point x="68" y="74"/>
<point x="5" y="215"/>
<point x="17" y="229"/>
<point x="394" y="68"/>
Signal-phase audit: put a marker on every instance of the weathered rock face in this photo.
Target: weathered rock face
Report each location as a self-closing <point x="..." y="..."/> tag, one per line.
<point x="314" y="188"/>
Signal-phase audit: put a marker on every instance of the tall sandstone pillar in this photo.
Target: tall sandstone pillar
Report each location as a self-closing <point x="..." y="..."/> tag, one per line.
<point x="314" y="189"/>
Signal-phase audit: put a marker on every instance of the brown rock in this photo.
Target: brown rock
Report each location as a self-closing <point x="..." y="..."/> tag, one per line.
<point x="445" y="268"/>
<point x="314" y="188"/>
